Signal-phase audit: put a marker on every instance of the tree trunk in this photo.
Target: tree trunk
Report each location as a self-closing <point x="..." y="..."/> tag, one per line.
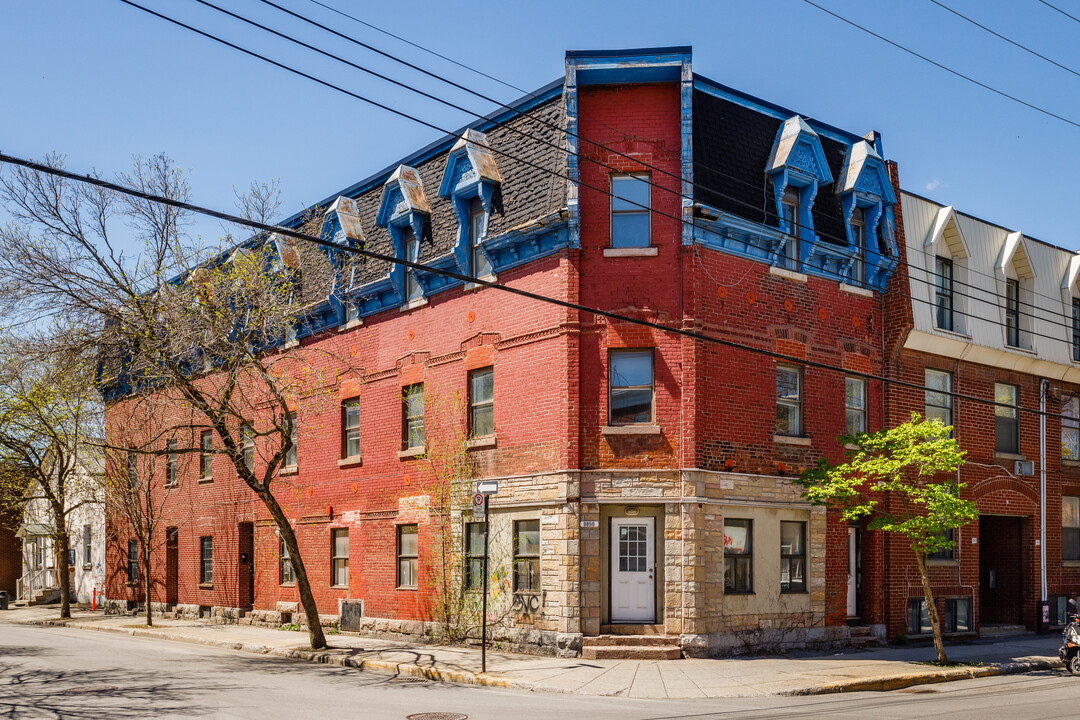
<point x="307" y="599"/>
<point x="146" y="581"/>
<point x="62" y="546"/>
<point x="931" y="608"/>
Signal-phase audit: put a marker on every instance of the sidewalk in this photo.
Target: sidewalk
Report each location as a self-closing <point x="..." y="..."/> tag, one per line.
<point x="803" y="674"/>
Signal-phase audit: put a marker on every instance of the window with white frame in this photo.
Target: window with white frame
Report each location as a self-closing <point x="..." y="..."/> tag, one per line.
<point x="482" y="402"/>
<point x="855" y="405"/>
<point x="206" y="560"/>
<point x="290" y="454"/>
<point x="1070" y="429"/>
<point x="938" y="402"/>
<point x="1006" y="419"/>
<point x="792" y="556"/>
<point x="738" y="555"/>
<point x="943" y="293"/>
<point x="479" y="265"/>
<point x="339" y="557"/>
<point x="408" y="554"/>
<point x="412" y="411"/>
<point x="350" y="428"/>
<point x="413" y="291"/>
<point x="526" y="556"/>
<point x="630" y="211"/>
<point x="858" y="241"/>
<point x="87" y="550"/>
<point x="206" y="454"/>
<point x="249" y="447"/>
<point x="171" y="463"/>
<point x="1012" y="312"/>
<point x="1070" y="527"/>
<point x="790" y="205"/>
<point x="788" y="400"/>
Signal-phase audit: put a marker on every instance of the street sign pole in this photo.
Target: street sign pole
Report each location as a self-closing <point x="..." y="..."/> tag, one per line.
<point x="483" y="620"/>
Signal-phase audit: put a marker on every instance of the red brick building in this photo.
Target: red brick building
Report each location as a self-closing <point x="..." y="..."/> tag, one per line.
<point x="645" y="472"/>
<point x="991" y="315"/>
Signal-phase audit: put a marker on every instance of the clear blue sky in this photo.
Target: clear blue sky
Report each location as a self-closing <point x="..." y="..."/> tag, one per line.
<point x="101" y="81"/>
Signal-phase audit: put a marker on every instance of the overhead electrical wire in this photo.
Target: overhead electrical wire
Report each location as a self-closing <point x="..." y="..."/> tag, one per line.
<point x="1066" y="319"/>
<point x="444" y="130"/>
<point x="372" y="255"/>
<point x="1055" y="7"/>
<point x="946" y="68"/>
<point x="1012" y="42"/>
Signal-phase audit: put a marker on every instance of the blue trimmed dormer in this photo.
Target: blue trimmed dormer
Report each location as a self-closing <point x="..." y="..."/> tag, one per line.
<point x="867" y="198"/>
<point x="798" y="168"/>
<point x="403" y="211"/>
<point x="471" y="175"/>
<point x="341" y="225"/>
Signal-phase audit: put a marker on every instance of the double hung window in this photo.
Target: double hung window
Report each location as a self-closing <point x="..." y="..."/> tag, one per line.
<point x="1070" y="429"/>
<point x="206" y="560"/>
<point x="482" y="402"/>
<point x="1012" y="313"/>
<point x="943" y="293"/>
<point x="631" y="387"/>
<point x="527" y="556"/>
<point x="133" y="562"/>
<point x="858" y="240"/>
<point x="480" y="265"/>
<point x="412" y="409"/>
<point x="790" y="204"/>
<point x="1070" y="527"/>
<point x="738" y="556"/>
<point x="630" y="211"/>
<point x="413" y="290"/>
<point x="171" y="458"/>
<point x="855" y="405"/>
<point x="408" y="551"/>
<point x="792" y="557"/>
<point x="290" y="454"/>
<point x="350" y="429"/>
<point x="474" y="555"/>
<point x="938" y="402"/>
<point x="339" y="557"/>
<point x="206" y="456"/>
<point x="1006" y="419"/>
<point x="788" y="400"/>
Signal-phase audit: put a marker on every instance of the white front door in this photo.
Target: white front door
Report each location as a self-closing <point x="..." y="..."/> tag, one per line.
<point x="633" y="570"/>
<point x="852" y="573"/>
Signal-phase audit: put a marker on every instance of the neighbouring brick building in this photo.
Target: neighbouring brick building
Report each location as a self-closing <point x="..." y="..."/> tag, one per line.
<point x="645" y="475"/>
<point x="991" y="315"/>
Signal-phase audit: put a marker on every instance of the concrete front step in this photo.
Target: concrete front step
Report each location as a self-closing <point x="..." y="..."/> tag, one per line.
<point x="629" y="641"/>
<point x="630" y="652"/>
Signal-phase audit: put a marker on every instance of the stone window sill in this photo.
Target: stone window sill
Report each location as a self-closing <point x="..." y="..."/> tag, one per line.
<point x="1070" y="463"/>
<point x="1023" y="350"/>
<point x="207" y="479"/>
<point x="411" y="452"/>
<point x="355" y="461"/>
<point x="350" y="325"/>
<point x="856" y="290"/>
<point x="206" y="586"/>
<point x="942" y="563"/>
<point x="488" y="441"/>
<point x="290" y="345"/>
<point x="87" y="566"/>
<point x="1008" y="456"/>
<point x="791" y="440"/>
<point x="471" y="286"/>
<point x="287" y="584"/>
<point x="1070" y="563"/>
<point x="413" y="304"/>
<point x="631" y="430"/>
<point x="339" y="587"/>
<point x="630" y="252"/>
<point x="952" y="333"/>
<point x="411" y="588"/>
<point x="787" y="274"/>
<point x="172" y="485"/>
<point x="289" y="470"/>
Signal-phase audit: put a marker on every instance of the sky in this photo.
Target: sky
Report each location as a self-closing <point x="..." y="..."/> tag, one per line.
<point x="102" y="81"/>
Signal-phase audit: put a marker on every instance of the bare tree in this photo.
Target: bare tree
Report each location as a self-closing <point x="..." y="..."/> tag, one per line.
<point x="49" y="409"/>
<point x="211" y="327"/>
<point x="139" y="482"/>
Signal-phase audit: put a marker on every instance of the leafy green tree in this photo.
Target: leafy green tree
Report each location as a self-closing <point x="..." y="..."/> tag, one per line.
<point x="904" y="480"/>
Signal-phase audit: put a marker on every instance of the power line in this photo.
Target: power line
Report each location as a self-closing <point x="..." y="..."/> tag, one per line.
<point x="372" y="255"/>
<point x="947" y="69"/>
<point x="1053" y="7"/>
<point x="1026" y="49"/>
<point x="421" y="47"/>
<point x="509" y="155"/>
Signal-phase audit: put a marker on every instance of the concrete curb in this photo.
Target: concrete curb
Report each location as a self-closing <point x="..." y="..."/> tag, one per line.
<point x="930" y="677"/>
<point x="326" y="657"/>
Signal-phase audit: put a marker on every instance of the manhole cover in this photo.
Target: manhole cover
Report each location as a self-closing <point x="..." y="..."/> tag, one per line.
<point x="86" y="689"/>
<point x="437" y="716"/>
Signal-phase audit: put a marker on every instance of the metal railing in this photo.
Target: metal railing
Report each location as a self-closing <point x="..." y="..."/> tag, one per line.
<point x="29" y="585"/>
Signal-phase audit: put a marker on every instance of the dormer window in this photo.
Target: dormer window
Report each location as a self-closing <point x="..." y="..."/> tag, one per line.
<point x="630" y="211"/>
<point x="471" y="181"/>
<point x="1012" y="312"/>
<point x="404" y="211"/>
<point x="479" y="264"/>
<point x="943" y="293"/>
<point x="789" y="204"/>
<point x="858" y="245"/>
<point x="413" y="291"/>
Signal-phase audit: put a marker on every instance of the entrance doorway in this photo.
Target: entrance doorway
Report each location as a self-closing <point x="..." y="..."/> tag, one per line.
<point x="854" y="577"/>
<point x="633" y="570"/>
<point x="1001" y="570"/>
<point x="246" y="579"/>
<point x="172" y="566"/>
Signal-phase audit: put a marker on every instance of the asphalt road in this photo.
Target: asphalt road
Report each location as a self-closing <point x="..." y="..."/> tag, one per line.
<point x="77" y="674"/>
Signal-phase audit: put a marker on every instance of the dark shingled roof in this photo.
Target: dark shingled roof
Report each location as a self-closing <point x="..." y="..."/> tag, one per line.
<point x="733" y="140"/>
<point x="526" y="193"/>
